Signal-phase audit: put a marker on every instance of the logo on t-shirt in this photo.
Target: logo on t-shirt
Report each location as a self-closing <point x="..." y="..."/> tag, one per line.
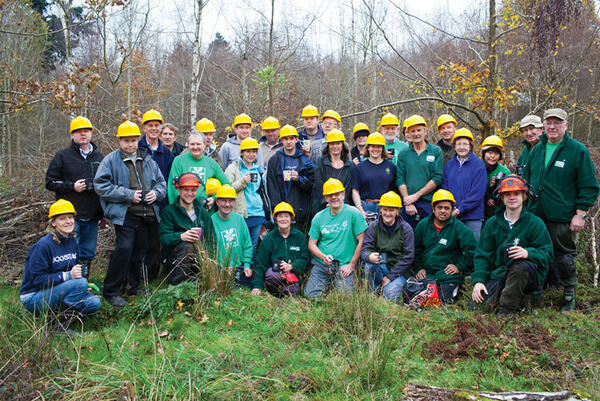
<point x="229" y="238"/>
<point x="200" y="171"/>
<point x="334" y="228"/>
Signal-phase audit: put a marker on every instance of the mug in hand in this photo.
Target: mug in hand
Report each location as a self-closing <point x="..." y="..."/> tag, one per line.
<point x="85" y="270"/>
<point x="383" y="258"/>
<point x="287" y="175"/>
<point x="198" y="231"/>
<point x="334" y="267"/>
<point x="254" y="177"/>
<point x="276" y="266"/>
<point x="89" y="184"/>
<point x="144" y="193"/>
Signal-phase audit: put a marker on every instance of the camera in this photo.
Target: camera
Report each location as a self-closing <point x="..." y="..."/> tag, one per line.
<point x="89" y="184"/>
<point x="203" y="201"/>
<point x="499" y="176"/>
<point x="507" y="247"/>
<point x="520" y="169"/>
<point x="334" y="267"/>
<point x="144" y="193"/>
<point x="276" y="266"/>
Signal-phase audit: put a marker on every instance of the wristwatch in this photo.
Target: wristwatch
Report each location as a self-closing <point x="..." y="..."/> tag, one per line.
<point x="582" y="215"/>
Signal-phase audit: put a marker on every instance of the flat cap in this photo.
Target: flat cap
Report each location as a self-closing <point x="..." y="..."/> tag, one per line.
<point x="531" y="120"/>
<point x="558" y="113"/>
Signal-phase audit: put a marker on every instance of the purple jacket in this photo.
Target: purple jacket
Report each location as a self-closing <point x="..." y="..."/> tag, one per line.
<point x="467" y="183"/>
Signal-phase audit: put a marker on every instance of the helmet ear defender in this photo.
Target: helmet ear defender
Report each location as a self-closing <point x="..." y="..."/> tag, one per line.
<point x="514" y="181"/>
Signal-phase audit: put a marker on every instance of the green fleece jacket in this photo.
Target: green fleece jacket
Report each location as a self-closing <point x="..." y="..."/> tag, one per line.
<point x="414" y="170"/>
<point x="234" y="247"/>
<point x="454" y="244"/>
<point x="174" y="220"/>
<point x="529" y="232"/>
<point x="489" y="192"/>
<point x="205" y="167"/>
<point x="567" y="184"/>
<point x="524" y="158"/>
<point x="274" y="247"/>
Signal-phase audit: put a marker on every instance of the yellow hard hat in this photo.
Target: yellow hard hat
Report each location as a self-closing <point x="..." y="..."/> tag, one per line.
<point x="226" y="192"/>
<point x="445" y="118"/>
<point x="248" y="143"/>
<point x="413" y="120"/>
<point x="389" y="119"/>
<point x="205" y="125"/>
<point x="61" y="206"/>
<point x="284" y="207"/>
<point x="287" y="130"/>
<point x="376" y="139"/>
<point x="80" y="123"/>
<point x="335" y="135"/>
<point x="310" y="111"/>
<point x="151" y="115"/>
<point x="242" y="119"/>
<point x="492" y="141"/>
<point x="390" y="199"/>
<point x="128" y="129"/>
<point x="332" y="114"/>
<point x="442" y="195"/>
<point x="270" y="123"/>
<point x="333" y="186"/>
<point x="360" y="127"/>
<point x="212" y="186"/>
<point x="463" y="133"/>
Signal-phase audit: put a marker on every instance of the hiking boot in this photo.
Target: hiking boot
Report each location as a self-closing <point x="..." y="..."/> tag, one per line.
<point x="138" y="291"/>
<point x="568" y="303"/>
<point x="116" y="301"/>
<point x="505" y="313"/>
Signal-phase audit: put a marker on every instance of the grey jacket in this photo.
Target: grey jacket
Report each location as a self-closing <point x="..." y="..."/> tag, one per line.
<point x="111" y="183"/>
<point x="230" y="151"/>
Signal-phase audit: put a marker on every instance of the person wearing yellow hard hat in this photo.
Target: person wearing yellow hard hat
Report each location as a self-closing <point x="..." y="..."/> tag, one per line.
<point x="152" y="122"/>
<point x="513" y="254"/>
<point x="130" y="185"/>
<point x="360" y="132"/>
<point x="388" y="248"/>
<point x="373" y="177"/>
<point x="168" y="136"/>
<point x="313" y="144"/>
<point x="335" y="239"/>
<point x="246" y="176"/>
<point x="389" y="128"/>
<point x="70" y="176"/>
<point x="335" y="163"/>
<point x="53" y="278"/>
<point x="282" y="256"/>
<point x="207" y="127"/>
<point x="269" y="143"/>
<point x="444" y="248"/>
<point x="230" y="150"/>
<point x="447" y="126"/>
<point x="420" y="172"/>
<point x="234" y="246"/>
<point x="196" y="161"/>
<point x="290" y="177"/>
<point x="185" y="224"/>
<point x="491" y="153"/>
<point x="465" y="176"/>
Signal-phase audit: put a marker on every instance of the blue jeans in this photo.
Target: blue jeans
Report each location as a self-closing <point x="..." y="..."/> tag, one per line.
<point x="475" y="226"/>
<point x="370" y="206"/>
<point x="87" y="237"/>
<point x="394" y="289"/>
<point x="375" y="274"/>
<point x="320" y="280"/>
<point x="72" y="293"/>
<point x="254" y="224"/>
<point x="423" y="210"/>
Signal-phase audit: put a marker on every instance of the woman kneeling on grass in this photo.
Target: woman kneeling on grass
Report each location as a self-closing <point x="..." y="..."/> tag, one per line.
<point x="52" y="278"/>
<point x="282" y="256"/>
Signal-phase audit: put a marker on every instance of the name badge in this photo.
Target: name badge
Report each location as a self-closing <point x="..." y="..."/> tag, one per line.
<point x="295" y="248"/>
<point x="444" y="241"/>
<point x="559" y="163"/>
<point x="430" y="158"/>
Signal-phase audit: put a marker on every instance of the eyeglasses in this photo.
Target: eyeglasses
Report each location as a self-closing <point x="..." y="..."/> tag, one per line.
<point x="330" y="124"/>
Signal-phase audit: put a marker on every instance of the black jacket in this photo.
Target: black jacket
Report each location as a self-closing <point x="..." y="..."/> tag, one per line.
<point x="68" y="166"/>
<point x="324" y="171"/>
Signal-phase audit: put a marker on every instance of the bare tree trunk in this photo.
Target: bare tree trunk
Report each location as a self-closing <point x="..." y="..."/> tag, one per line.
<point x="354" y="59"/>
<point x="493" y="76"/>
<point x="270" y="59"/>
<point x="196" y="64"/>
<point x="129" y="66"/>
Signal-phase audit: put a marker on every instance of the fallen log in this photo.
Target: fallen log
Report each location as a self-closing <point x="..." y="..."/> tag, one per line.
<point x="414" y="392"/>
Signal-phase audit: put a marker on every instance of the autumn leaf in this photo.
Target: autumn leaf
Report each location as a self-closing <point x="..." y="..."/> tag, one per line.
<point x="229" y="323"/>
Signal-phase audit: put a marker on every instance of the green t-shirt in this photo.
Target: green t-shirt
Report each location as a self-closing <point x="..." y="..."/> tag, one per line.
<point x="234" y="247"/>
<point x="398" y="147"/>
<point x="205" y="167"/>
<point x="336" y="235"/>
<point x="550" y="148"/>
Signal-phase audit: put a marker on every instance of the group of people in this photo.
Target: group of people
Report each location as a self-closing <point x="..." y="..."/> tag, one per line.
<point x="303" y="207"/>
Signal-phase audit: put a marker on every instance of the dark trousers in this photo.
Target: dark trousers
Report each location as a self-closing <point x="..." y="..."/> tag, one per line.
<point x="562" y="271"/>
<point x="183" y="263"/>
<point x="448" y="292"/>
<point x="423" y="210"/>
<point x="509" y="291"/>
<point x="125" y="265"/>
<point x="153" y="256"/>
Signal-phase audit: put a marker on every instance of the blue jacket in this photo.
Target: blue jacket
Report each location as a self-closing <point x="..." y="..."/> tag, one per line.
<point x="162" y="156"/>
<point x="467" y="183"/>
<point x="112" y="185"/>
<point x="48" y="263"/>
